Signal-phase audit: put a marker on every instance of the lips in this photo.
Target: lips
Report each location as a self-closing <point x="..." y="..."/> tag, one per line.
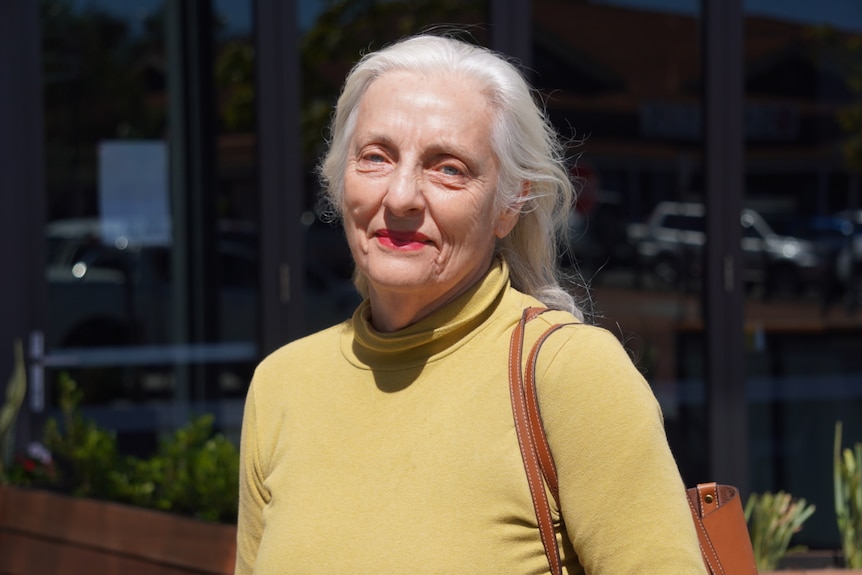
<point x="402" y="240"/>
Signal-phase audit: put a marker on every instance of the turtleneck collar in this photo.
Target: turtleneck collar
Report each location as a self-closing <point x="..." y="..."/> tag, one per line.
<point x="429" y="338"/>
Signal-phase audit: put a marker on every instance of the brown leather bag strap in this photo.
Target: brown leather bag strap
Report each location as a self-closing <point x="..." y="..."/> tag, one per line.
<point x="703" y="500"/>
<point x="546" y="460"/>
<point x="530" y="434"/>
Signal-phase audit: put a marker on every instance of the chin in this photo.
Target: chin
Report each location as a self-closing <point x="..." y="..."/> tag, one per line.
<point x="399" y="270"/>
<point x="401" y="282"/>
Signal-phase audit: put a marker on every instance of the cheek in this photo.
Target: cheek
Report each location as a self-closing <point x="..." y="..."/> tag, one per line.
<point x="348" y="194"/>
<point x="355" y="233"/>
<point x="484" y="219"/>
<point x="355" y="225"/>
<point x="472" y="229"/>
<point x="360" y="196"/>
<point x="357" y="217"/>
<point x="352" y="206"/>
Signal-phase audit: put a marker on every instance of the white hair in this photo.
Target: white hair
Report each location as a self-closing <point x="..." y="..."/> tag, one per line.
<point x="533" y="176"/>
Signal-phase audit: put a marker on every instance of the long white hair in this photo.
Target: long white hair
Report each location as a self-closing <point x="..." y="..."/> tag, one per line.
<point x="533" y="175"/>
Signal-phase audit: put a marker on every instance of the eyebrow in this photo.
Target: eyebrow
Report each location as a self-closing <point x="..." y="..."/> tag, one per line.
<point x="361" y="140"/>
<point x="374" y="137"/>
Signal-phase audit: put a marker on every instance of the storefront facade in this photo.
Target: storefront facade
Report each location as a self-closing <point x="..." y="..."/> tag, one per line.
<point x="159" y="204"/>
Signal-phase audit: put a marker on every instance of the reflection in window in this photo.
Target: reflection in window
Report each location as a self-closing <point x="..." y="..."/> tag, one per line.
<point x="623" y="80"/>
<point x="111" y="124"/>
<point x="803" y="88"/>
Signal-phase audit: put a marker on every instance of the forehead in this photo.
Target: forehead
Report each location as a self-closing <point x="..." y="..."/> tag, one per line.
<point x="440" y="108"/>
<point x="433" y="91"/>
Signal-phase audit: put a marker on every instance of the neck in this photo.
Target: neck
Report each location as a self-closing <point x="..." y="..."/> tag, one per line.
<point x="394" y="310"/>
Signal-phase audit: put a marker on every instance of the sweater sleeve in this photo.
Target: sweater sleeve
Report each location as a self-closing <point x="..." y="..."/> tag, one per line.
<point x="621" y="495"/>
<point x="253" y="495"/>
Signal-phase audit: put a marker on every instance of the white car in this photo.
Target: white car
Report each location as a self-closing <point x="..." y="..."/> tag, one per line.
<point x="670" y="245"/>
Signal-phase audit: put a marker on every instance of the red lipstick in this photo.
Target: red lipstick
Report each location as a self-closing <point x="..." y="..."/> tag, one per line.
<point x="402" y="240"/>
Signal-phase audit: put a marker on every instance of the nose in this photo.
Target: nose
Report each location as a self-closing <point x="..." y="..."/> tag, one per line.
<point x="404" y="193"/>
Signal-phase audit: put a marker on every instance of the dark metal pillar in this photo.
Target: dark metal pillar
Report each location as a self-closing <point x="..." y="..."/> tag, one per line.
<point x="511" y="29"/>
<point x="281" y="189"/>
<point x="192" y="121"/>
<point x="723" y="298"/>
<point x="23" y="293"/>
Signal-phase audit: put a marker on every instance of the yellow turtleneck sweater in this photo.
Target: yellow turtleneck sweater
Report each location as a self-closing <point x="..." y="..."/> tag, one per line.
<point x="373" y="453"/>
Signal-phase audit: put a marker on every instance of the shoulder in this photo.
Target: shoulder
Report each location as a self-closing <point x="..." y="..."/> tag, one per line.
<point x="589" y="366"/>
<point x="282" y="378"/>
<point x="575" y="341"/>
<point x="306" y="353"/>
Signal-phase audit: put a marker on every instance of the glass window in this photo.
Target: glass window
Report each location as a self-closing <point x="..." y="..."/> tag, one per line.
<point x="623" y="82"/>
<point x="802" y="161"/>
<point x="151" y="194"/>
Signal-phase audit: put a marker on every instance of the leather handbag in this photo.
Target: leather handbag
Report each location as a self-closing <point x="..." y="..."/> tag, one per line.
<point x="721" y="529"/>
<point x="716" y="509"/>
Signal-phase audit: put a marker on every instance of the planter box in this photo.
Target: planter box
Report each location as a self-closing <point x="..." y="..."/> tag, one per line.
<point x="825" y="571"/>
<point x="813" y="562"/>
<point x="46" y="533"/>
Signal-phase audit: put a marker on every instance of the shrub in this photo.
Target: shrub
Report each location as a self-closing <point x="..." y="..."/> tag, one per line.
<point x="848" y="499"/>
<point x="86" y="455"/>
<point x="194" y="472"/>
<point x="773" y="519"/>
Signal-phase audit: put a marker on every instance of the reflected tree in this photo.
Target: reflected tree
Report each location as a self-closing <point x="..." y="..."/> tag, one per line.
<point x="843" y="51"/>
<point x="102" y="81"/>
<point x="346" y="29"/>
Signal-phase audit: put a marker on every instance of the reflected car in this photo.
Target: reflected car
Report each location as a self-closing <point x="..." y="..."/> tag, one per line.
<point x="848" y="262"/>
<point x="669" y="247"/>
<point x="109" y="292"/>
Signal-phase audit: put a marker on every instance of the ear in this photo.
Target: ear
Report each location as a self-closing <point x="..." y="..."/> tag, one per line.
<point x="509" y="217"/>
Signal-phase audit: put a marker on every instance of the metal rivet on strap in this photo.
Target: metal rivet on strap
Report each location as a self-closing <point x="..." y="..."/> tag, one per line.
<point x="708" y="498"/>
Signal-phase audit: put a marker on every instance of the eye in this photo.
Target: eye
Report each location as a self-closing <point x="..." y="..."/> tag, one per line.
<point x="450" y="170"/>
<point x="373" y="159"/>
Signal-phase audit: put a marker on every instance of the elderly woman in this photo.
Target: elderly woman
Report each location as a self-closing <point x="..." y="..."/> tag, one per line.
<point x="386" y="444"/>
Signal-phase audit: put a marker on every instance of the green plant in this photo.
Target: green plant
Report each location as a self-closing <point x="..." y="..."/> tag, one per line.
<point x="15" y="391"/>
<point x="848" y="499"/>
<point x="194" y="471"/>
<point x="773" y="518"/>
<point x="87" y="456"/>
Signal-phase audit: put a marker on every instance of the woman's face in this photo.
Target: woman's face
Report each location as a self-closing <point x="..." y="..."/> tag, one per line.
<point x="419" y="189"/>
